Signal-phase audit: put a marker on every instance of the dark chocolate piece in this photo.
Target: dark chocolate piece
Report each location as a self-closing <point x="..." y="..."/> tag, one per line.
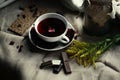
<point x="46" y="64"/>
<point x="50" y="63"/>
<point x="65" y="61"/>
<point x="57" y="69"/>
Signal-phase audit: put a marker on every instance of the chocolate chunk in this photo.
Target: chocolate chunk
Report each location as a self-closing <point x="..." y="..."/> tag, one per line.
<point x="11" y="43"/>
<point x="67" y="68"/>
<point x="57" y="69"/>
<point x="46" y="64"/>
<point x="70" y="34"/>
<point x="64" y="57"/>
<point x="19" y="25"/>
<point x="50" y="63"/>
<point x="65" y="61"/>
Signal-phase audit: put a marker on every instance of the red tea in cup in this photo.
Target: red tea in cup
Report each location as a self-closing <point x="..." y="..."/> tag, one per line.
<point x="51" y="27"/>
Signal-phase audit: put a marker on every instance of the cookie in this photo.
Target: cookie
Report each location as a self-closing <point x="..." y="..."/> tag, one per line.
<point x="26" y="18"/>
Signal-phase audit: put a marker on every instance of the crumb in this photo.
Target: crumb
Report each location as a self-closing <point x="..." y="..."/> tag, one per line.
<point x="17" y="47"/>
<point x="19" y="25"/>
<point x="11" y="43"/>
<point x="23" y="16"/>
<point x="21" y="8"/>
<point x="20" y="48"/>
<point x="61" y="13"/>
<point x="35" y="12"/>
<point x="31" y="6"/>
<point x="76" y="36"/>
<point x="18" y="15"/>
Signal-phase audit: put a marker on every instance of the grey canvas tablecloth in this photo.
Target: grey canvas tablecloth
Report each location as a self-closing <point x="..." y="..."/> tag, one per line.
<point x="29" y="60"/>
<point x="24" y="64"/>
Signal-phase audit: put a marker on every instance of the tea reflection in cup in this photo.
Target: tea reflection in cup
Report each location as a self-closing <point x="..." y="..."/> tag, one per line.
<point x="52" y="27"/>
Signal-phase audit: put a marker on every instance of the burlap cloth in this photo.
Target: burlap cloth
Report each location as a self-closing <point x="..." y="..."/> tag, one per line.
<point x="24" y="64"/>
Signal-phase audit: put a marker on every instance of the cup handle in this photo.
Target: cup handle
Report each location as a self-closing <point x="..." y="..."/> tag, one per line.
<point x="65" y="40"/>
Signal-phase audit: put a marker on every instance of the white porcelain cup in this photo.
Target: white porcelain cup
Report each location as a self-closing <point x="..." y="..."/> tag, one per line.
<point x="52" y="27"/>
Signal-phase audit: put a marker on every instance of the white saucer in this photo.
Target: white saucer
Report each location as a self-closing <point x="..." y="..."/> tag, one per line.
<point x="40" y="44"/>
